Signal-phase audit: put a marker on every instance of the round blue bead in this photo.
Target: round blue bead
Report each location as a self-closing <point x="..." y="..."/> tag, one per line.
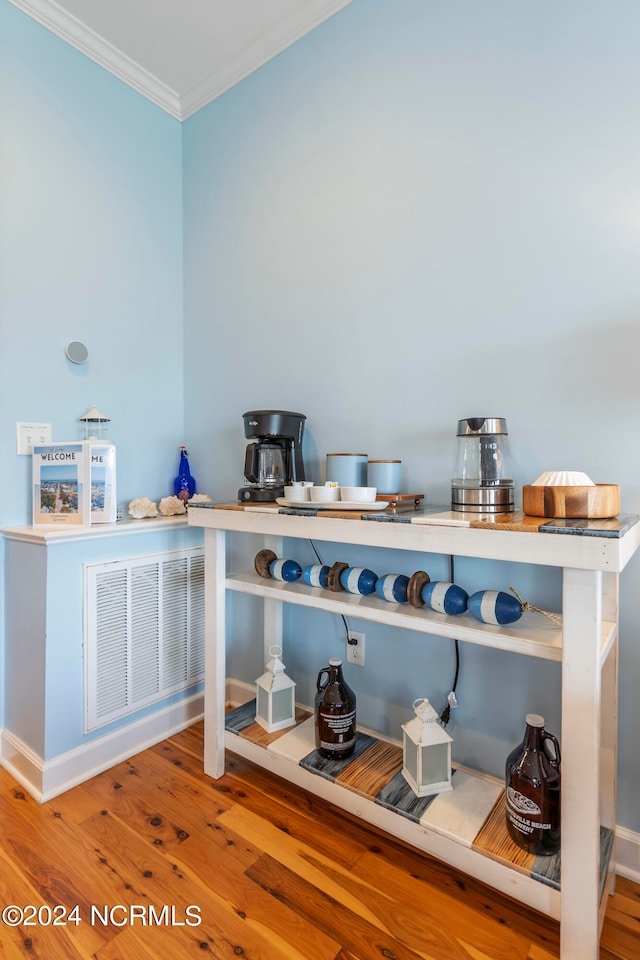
<point x="358" y="580"/>
<point x="316" y="575"/>
<point x="445" y="597"/>
<point x="393" y="587"/>
<point x="495" y="606"/>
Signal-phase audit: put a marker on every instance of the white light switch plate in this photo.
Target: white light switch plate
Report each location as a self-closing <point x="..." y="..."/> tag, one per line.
<point x="30" y="433"/>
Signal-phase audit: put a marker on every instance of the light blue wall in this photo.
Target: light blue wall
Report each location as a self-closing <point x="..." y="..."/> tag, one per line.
<point x="422" y="212"/>
<point x="90" y="249"/>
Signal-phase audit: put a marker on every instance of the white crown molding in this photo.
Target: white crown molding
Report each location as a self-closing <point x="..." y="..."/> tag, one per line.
<point x="87" y="41"/>
<point x="179" y="104"/>
<point x="257" y="54"/>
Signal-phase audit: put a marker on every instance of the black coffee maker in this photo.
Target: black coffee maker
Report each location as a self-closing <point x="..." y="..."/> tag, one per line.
<point x="274" y="459"/>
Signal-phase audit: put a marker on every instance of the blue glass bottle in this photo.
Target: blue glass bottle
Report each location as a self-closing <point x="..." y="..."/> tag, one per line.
<point x="184" y="485"/>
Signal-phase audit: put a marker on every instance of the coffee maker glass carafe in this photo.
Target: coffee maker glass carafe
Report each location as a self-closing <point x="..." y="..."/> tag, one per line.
<point x="274" y="458"/>
<point x="267" y="467"/>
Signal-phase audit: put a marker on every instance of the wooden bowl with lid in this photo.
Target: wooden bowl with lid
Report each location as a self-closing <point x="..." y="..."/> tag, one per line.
<point x="572" y="502"/>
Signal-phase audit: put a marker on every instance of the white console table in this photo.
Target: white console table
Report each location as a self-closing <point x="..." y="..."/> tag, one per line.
<point x="586" y="646"/>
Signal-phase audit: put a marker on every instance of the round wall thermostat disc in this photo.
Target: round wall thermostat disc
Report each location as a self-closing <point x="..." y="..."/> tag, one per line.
<point x="76" y="351"/>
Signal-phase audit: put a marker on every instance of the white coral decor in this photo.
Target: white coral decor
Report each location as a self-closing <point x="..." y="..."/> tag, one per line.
<point x="171" y="506"/>
<point x="201" y="498"/>
<point x="142" y="507"/>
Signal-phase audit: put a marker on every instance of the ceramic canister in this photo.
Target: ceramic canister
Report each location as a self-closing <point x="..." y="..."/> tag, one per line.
<point x="347" y="469"/>
<point x="385" y="475"/>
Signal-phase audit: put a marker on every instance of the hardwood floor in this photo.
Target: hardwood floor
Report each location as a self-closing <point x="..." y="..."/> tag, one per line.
<point x="164" y="863"/>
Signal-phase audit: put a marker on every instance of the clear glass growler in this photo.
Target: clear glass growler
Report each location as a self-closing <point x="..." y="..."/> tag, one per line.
<point x="533" y="790"/>
<point x="335" y="713"/>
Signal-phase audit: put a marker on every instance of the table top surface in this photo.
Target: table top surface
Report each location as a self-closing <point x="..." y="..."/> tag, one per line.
<point x="605" y="545"/>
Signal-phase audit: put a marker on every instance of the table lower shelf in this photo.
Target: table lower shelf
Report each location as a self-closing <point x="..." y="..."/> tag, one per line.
<point x="465" y="827"/>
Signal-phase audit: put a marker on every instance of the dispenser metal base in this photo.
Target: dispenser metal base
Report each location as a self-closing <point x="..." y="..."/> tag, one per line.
<point x="498" y="499"/>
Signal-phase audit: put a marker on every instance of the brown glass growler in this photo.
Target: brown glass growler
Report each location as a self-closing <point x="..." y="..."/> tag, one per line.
<point x="335" y="713"/>
<point x="533" y="790"/>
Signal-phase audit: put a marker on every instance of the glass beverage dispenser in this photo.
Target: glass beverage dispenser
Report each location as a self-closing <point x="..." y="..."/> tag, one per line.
<point x="482" y="480"/>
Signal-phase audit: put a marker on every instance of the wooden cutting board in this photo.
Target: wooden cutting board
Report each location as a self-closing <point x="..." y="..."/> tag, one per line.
<point x="500" y="521"/>
<point x="517" y="521"/>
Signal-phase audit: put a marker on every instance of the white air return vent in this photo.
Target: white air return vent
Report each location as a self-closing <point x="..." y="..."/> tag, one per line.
<point x="144" y="632"/>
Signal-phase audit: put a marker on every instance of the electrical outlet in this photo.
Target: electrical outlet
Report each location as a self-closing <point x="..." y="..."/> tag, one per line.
<point x="355" y="650"/>
<point x="30" y="433"/>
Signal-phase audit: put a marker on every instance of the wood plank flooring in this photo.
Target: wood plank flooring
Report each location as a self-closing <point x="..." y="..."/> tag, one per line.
<point x="164" y="863"/>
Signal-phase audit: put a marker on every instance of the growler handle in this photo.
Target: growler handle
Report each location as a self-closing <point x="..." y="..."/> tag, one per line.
<point x="555" y="759"/>
<point x="321" y="686"/>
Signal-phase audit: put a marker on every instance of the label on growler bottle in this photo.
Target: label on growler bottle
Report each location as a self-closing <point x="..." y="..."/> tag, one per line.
<point x="521" y="810"/>
<point x="337" y="726"/>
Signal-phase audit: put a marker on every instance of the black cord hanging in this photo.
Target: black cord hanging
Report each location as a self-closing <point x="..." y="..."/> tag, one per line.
<point x="345" y="624"/>
<point x="452" y="700"/>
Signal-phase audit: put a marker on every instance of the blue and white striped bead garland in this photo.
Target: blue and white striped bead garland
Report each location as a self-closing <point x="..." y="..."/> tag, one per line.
<point x="316" y="575"/>
<point x="393" y="587"/>
<point x="495" y="606"/>
<point x="488" y="606"/>
<point x="445" y="597"/>
<point x="358" y="580"/>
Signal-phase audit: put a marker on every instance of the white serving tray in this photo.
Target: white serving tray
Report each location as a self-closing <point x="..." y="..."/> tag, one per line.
<point x="333" y="504"/>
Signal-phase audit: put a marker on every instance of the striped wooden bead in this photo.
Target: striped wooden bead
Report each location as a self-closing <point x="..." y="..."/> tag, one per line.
<point x="358" y="580"/>
<point x="316" y="575"/>
<point x="393" y="587"/>
<point x="445" y="597"/>
<point x="495" y="606"/>
<point x="287" y="570"/>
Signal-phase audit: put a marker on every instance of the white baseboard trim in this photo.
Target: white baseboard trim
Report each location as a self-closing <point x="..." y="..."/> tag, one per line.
<point x="237" y="692"/>
<point x="45" y="779"/>
<point x="628" y="854"/>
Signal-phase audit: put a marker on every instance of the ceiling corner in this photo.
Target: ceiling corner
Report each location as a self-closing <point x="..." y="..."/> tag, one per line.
<point x="240" y="51"/>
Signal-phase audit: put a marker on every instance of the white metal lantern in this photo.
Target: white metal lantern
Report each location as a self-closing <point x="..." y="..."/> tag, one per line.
<point x="275" y="695"/>
<point x="426" y="751"/>
<point x="95" y="425"/>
